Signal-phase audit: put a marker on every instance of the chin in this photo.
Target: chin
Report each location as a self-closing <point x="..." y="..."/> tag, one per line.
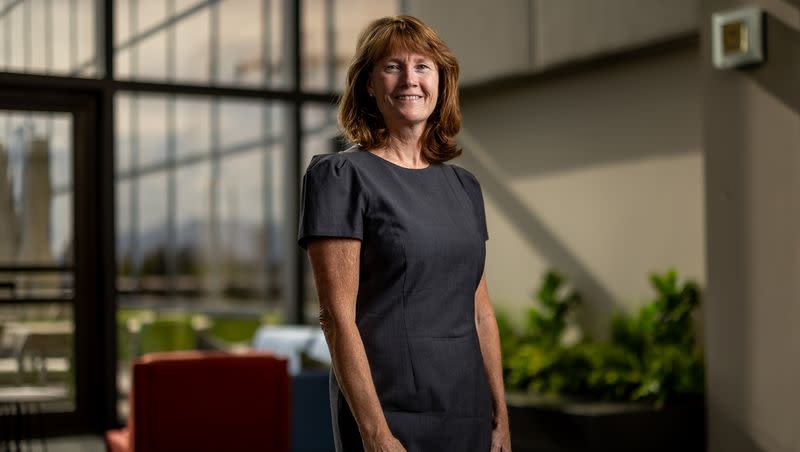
<point x="414" y="119"/>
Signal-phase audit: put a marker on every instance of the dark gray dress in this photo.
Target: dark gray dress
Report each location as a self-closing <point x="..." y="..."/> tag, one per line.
<point x="423" y="234"/>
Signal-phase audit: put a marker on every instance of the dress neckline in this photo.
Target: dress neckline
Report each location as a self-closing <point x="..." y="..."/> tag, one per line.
<point x="395" y="165"/>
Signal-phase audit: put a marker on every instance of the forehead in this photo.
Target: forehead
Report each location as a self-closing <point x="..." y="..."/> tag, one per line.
<point x="403" y="49"/>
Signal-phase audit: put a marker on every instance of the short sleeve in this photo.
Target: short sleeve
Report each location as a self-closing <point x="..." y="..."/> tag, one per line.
<point x="332" y="201"/>
<point x="473" y="189"/>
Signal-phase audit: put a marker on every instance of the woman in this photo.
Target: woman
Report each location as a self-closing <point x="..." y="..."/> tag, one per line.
<point x="396" y="240"/>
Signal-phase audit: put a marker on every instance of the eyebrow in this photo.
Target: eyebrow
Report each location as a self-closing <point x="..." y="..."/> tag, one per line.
<point x="416" y="60"/>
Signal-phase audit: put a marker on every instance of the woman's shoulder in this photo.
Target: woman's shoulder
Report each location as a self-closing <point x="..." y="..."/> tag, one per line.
<point x="348" y="160"/>
<point x="467" y="179"/>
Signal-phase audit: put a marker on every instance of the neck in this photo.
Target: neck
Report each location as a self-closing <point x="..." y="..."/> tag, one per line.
<point x="404" y="147"/>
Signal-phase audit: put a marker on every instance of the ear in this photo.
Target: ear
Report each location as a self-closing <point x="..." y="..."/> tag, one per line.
<point x="370" y="90"/>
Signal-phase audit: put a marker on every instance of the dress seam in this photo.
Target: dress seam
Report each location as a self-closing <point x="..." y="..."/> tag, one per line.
<point x="403" y="306"/>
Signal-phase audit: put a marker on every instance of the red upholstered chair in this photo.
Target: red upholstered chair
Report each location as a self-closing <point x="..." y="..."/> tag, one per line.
<point x="206" y="401"/>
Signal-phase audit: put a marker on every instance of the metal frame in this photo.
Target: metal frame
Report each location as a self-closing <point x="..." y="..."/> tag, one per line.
<point x="88" y="267"/>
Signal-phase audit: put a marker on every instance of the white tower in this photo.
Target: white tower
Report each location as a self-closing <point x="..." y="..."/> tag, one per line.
<point x="8" y="216"/>
<point x="36" y="198"/>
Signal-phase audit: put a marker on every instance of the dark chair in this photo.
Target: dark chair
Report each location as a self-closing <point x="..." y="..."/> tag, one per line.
<point x="311" y="412"/>
<point x="206" y="401"/>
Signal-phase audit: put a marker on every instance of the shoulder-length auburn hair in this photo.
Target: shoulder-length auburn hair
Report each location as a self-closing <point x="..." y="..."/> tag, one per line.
<point x="359" y="118"/>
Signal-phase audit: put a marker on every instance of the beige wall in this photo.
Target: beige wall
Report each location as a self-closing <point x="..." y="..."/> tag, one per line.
<point x="516" y="37"/>
<point x="752" y="149"/>
<point x="491" y="39"/>
<point x="598" y="174"/>
<point x="567" y="30"/>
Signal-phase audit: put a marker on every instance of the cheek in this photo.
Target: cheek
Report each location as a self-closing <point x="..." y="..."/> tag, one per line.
<point x="435" y="95"/>
<point x="385" y="84"/>
<point x="434" y="89"/>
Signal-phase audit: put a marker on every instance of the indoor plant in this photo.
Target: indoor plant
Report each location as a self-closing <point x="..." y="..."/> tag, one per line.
<point x="650" y="373"/>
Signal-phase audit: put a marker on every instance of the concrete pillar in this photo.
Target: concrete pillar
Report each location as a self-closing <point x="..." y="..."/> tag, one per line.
<point x="751" y="123"/>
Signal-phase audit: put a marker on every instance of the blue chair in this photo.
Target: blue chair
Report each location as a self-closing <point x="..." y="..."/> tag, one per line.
<point x="311" y="413"/>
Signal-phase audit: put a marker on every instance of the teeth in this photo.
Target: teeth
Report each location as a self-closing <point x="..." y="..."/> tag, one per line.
<point x="409" y="97"/>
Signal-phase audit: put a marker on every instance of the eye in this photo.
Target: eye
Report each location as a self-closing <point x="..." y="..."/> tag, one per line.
<point x="392" y="67"/>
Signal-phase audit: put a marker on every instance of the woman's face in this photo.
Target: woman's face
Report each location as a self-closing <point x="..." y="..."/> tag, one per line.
<point x="405" y="85"/>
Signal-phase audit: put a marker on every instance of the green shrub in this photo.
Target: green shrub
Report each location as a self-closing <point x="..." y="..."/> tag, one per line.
<point x="233" y="329"/>
<point x="653" y="356"/>
<point x="167" y="334"/>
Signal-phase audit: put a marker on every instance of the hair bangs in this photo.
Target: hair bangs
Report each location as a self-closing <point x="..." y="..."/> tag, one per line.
<point x="401" y="40"/>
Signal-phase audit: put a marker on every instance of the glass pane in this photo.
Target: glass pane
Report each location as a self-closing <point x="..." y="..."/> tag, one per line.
<point x="36" y="219"/>
<point x="151" y="212"/>
<point x="35" y="205"/>
<point x="198" y="235"/>
<point x="320" y="136"/>
<point x="242" y="226"/>
<point x="48" y="36"/>
<point x="125" y="237"/>
<point x="37" y="354"/>
<point x="239" y="43"/>
<point x="151" y="56"/>
<point x="330" y="30"/>
<point x="141" y="130"/>
<point x="122" y="137"/>
<point x="192" y="125"/>
<point x="192" y="252"/>
<point x="192" y="48"/>
<point x="150" y="13"/>
<point x="152" y="129"/>
<point x="240" y="122"/>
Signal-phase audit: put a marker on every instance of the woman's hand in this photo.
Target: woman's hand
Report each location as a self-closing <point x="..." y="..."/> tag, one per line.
<point x="501" y="438"/>
<point x="383" y="443"/>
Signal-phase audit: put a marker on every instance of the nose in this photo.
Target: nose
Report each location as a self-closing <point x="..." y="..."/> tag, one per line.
<point x="409" y="77"/>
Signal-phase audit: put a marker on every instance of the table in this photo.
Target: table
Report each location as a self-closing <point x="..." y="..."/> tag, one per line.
<point x="292" y="340"/>
<point x="13" y="401"/>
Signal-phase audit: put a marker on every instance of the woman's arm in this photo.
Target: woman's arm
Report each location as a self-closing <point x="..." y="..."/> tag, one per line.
<point x="489" y="337"/>
<point x="335" y="263"/>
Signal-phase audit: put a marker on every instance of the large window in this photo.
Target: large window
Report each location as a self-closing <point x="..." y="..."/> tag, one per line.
<point x="205" y="115"/>
<point x="199" y="222"/>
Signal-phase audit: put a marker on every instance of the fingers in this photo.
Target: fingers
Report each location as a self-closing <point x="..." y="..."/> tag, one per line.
<point x="496" y="445"/>
<point x="500" y="442"/>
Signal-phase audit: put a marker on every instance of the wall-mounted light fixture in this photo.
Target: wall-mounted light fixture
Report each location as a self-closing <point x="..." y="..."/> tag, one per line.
<point x="736" y="37"/>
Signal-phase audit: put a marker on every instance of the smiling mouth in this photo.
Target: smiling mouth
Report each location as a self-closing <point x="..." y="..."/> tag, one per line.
<point x="408" y="97"/>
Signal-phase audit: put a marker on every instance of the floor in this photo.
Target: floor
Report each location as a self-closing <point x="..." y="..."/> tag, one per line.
<point x="71" y="444"/>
